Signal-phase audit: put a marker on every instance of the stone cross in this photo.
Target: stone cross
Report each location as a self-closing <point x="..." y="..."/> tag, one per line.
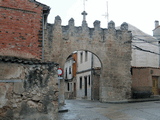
<point x="84" y="15"/>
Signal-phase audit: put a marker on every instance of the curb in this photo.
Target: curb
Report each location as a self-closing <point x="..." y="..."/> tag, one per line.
<point x="133" y="101"/>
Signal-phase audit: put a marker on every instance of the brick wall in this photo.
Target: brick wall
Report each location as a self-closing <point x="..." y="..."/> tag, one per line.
<point x="21" y="28"/>
<point x="142" y="77"/>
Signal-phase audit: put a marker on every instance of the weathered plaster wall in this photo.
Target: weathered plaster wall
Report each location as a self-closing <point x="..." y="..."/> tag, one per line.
<point x="33" y="97"/>
<point x="113" y="48"/>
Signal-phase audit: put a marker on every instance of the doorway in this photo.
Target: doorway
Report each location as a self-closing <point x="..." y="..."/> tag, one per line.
<point x="85" y="85"/>
<point x="74" y="92"/>
<point x="155" y="88"/>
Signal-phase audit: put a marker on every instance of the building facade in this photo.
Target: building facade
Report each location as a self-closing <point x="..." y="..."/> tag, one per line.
<point x="87" y="64"/>
<point x="26" y="82"/>
<point x="22" y="28"/>
<point x="145" y="61"/>
<point x="70" y="69"/>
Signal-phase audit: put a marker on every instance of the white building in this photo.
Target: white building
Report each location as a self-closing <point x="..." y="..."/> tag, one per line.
<point x="69" y="76"/>
<point x="87" y="87"/>
<point x="156" y="34"/>
<point x="145" y="49"/>
<point x="68" y="68"/>
<point x="145" y="61"/>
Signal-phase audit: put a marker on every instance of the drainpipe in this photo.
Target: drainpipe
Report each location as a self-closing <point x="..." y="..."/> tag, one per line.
<point x="92" y="90"/>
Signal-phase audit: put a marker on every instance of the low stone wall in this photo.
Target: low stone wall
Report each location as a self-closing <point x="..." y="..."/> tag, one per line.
<point x="28" y="91"/>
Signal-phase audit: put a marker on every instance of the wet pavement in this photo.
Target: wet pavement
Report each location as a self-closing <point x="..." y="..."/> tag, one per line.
<point x="95" y="110"/>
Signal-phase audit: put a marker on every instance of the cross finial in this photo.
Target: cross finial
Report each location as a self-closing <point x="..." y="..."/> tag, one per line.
<point x="84" y="15"/>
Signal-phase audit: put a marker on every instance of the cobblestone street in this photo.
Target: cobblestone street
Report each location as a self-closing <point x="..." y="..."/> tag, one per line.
<point x="94" y="110"/>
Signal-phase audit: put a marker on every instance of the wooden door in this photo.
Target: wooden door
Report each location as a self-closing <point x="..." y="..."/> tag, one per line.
<point x="155" y="85"/>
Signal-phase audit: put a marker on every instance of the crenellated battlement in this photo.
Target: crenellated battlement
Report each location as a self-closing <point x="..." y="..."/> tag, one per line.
<point x="71" y="30"/>
<point x="71" y="36"/>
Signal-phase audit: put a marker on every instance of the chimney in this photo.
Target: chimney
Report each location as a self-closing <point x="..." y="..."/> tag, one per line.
<point x="156" y="23"/>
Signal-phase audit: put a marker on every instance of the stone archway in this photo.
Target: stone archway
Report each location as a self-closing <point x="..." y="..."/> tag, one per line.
<point x="112" y="46"/>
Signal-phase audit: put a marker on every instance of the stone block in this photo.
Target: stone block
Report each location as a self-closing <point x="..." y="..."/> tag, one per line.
<point x="19" y="88"/>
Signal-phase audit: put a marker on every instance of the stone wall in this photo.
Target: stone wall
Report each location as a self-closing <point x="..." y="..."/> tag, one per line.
<point x="28" y="90"/>
<point x="111" y="46"/>
<point x="96" y="83"/>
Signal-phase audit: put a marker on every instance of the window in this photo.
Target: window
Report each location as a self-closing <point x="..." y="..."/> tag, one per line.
<point x="70" y="70"/>
<point x="68" y="86"/>
<point x="80" y="82"/>
<point x="81" y="57"/>
<point x="86" y="55"/>
<point x="89" y="80"/>
<point x="66" y="74"/>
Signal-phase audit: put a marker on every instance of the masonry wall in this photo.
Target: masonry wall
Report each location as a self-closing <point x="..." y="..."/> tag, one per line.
<point x="28" y="91"/>
<point x="142" y="78"/>
<point x="96" y="84"/>
<point x="21" y="28"/>
<point x="112" y="47"/>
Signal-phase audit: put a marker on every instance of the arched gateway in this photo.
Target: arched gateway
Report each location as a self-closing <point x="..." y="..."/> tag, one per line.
<point x="113" y="48"/>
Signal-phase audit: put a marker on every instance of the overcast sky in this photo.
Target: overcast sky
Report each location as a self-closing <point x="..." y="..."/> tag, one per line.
<point x="139" y="13"/>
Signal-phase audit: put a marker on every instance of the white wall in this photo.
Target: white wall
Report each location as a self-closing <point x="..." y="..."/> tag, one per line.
<point x="141" y="58"/>
<point x="87" y="64"/>
<point x="156" y="32"/>
<point x="81" y="91"/>
<point x="68" y="65"/>
<point x="84" y="65"/>
<point x="70" y="86"/>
